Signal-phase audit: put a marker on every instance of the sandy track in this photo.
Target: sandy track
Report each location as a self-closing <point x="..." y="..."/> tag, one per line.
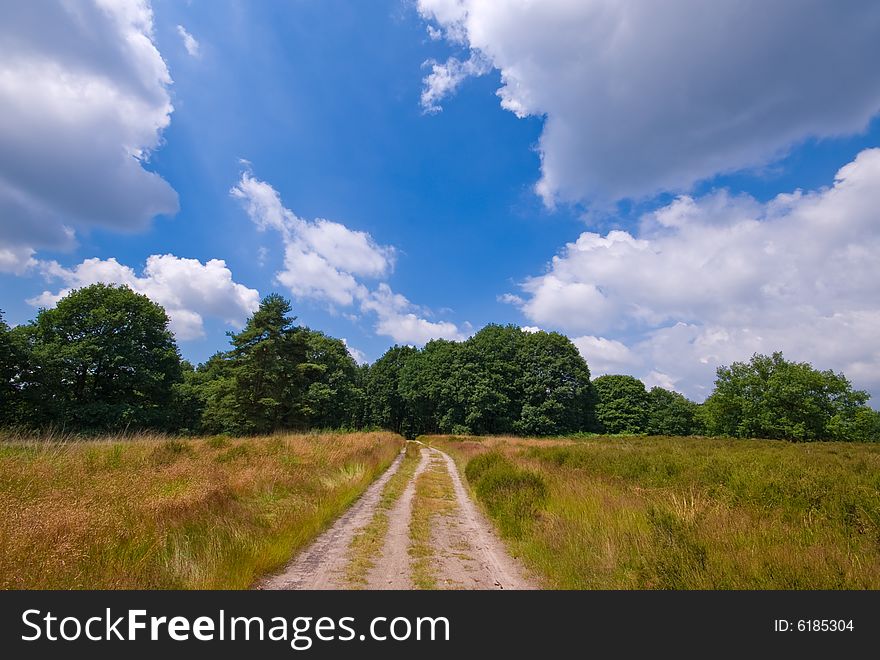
<point x="322" y="564"/>
<point x="467" y="552"/>
<point x="474" y="557"/>
<point x="392" y="569"/>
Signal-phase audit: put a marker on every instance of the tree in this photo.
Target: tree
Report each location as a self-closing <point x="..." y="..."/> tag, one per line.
<point x="487" y="373"/>
<point x="670" y="413"/>
<point x="214" y="385"/>
<point x="501" y="380"/>
<point x="102" y="359"/>
<point x="260" y="383"/>
<point x="433" y="389"/>
<point x="622" y="404"/>
<point x="770" y="397"/>
<point x="387" y="408"/>
<point x="553" y="383"/>
<point x="331" y="397"/>
<point x="10" y="365"/>
<point x="187" y="402"/>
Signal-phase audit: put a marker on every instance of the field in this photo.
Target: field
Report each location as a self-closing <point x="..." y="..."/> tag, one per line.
<point x="159" y="513"/>
<point x="682" y="513"/>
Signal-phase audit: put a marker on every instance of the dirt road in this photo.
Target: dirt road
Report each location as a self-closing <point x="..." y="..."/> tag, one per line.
<point x="414" y="527"/>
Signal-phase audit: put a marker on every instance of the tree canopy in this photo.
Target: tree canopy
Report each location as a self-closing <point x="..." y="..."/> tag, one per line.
<point x="501" y="380"/>
<point x="622" y="405"/>
<point x="104" y="359"/>
<point x="770" y="397"/>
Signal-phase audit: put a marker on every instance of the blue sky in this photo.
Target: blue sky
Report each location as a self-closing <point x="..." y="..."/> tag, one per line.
<point x="616" y="190"/>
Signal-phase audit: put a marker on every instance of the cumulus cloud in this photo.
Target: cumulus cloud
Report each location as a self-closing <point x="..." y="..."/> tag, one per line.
<point x="606" y="356"/>
<point x="16" y="259"/>
<point x="189" y="42"/>
<point x="321" y="258"/>
<point x="188" y="289"/>
<point x="398" y="319"/>
<point x="327" y="262"/>
<point x="640" y="97"/>
<point x="84" y="93"/>
<point x="709" y="280"/>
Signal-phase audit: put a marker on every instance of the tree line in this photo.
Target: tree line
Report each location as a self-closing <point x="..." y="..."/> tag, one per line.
<point x="104" y="360"/>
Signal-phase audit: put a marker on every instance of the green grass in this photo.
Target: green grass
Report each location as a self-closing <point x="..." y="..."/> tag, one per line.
<point x="368" y="542"/>
<point x="512" y="495"/>
<point x="683" y="513"/>
<point x="160" y="513"/>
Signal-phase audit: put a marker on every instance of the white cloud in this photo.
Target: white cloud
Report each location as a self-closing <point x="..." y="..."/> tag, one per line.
<point x="325" y="261"/>
<point x="606" y="356"/>
<point x="510" y="299"/>
<point x="659" y="379"/>
<point x="446" y="77"/>
<point x="84" y="93"/>
<point x="397" y="318"/>
<point x="710" y="280"/>
<point x="188" y="289"/>
<point x="16" y="259"/>
<point x="531" y="329"/>
<point x="355" y="353"/>
<point x="641" y="96"/>
<point x="321" y="258"/>
<point x="189" y="42"/>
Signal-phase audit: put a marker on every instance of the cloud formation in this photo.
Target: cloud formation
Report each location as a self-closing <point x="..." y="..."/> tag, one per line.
<point x="188" y="289"/>
<point x="326" y="261"/>
<point x="189" y="42"/>
<point x="641" y="97"/>
<point x="445" y="78"/>
<point x="709" y="280"/>
<point x="84" y="93"/>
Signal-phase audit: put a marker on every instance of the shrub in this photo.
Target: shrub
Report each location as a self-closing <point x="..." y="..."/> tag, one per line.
<point x="512" y="495"/>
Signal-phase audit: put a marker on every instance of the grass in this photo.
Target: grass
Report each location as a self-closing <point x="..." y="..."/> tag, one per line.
<point x="434" y="496"/>
<point x="369" y="541"/>
<point x="682" y="513"/>
<point x="162" y="513"/>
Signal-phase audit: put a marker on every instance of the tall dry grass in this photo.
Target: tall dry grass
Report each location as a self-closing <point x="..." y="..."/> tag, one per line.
<point x="694" y="513"/>
<point x="152" y="512"/>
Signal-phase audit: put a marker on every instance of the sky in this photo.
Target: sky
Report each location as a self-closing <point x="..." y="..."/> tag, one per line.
<point x="675" y="186"/>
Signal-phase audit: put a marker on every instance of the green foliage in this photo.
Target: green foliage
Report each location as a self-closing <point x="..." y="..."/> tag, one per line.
<point x="670" y="413"/>
<point x="512" y="495"/>
<point x="501" y="380"/>
<point x="770" y="397"/>
<point x="433" y="387"/>
<point x="554" y="381"/>
<point x="103" y="358"/>
<point x="187" y="402"/>
<point x="386" y="404"/>
<point x="622" y="404"/>
<point x="268" y="370"/>
<point x="863" y="425"/>
<point x="333" y="397"/>
<point x="10" y="361"/>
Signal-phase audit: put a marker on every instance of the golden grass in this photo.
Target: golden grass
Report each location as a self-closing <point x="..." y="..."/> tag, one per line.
<point x="159" y="513"/>
<point x="368" y="543"/>
<point x="434" y="496"/>
<point x="698" y="513"/>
